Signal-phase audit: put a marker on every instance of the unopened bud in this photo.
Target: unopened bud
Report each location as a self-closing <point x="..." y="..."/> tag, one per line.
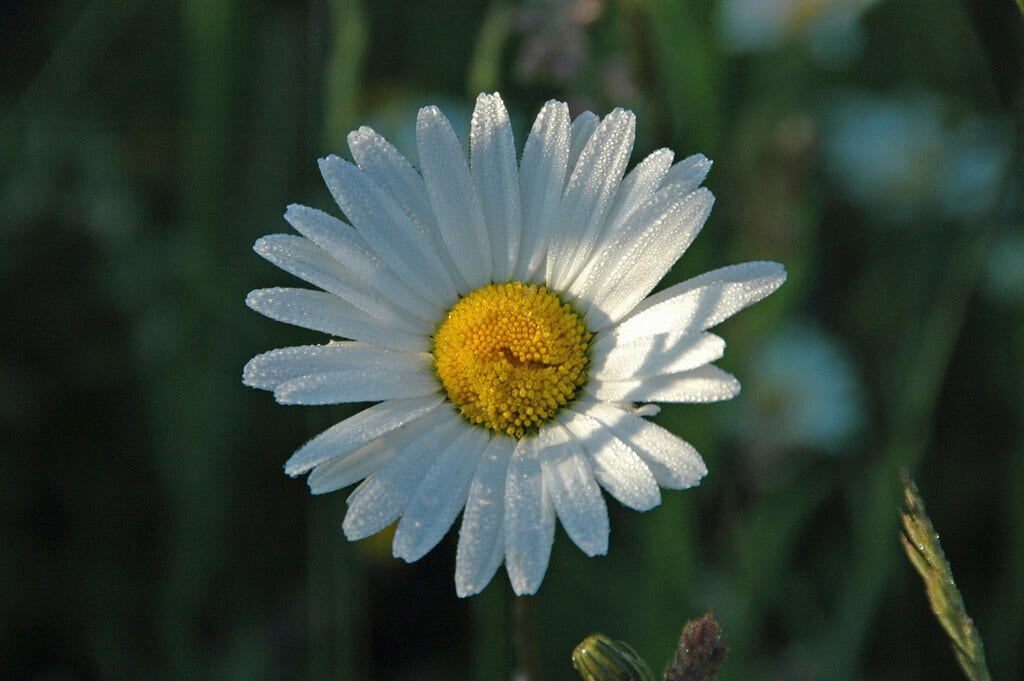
<point x="702" y="650"/>
<point x="598" y="658"/>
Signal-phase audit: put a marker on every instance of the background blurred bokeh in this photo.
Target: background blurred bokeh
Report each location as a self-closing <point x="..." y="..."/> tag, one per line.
<point x="148" y="531"/>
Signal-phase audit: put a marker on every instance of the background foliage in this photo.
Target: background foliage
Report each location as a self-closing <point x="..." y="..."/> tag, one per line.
<point x="147" y="528"/>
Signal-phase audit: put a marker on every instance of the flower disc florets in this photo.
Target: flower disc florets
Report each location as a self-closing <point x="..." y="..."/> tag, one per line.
<point x="510" y="356"/>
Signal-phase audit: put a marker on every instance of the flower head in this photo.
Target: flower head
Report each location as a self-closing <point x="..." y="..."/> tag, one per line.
<point x="498" y="312"/>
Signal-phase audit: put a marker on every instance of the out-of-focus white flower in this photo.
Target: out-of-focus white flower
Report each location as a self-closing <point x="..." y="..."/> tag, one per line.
<point x="831" y="26"/>
<point x="902" y="160"/>
<point x="803" y="392"/>
<point x="499" y="315"/>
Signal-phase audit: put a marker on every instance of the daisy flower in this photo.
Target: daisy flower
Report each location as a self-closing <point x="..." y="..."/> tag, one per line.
<point x="498" y="314"/>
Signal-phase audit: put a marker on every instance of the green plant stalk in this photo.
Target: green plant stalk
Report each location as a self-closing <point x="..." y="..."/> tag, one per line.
<point x="688" y="63"/>
<point x="192" y="446"/>
<point x="525" y="631"/>
<point x="334" y="593"/>
<point x="341" y="84"/>
<point x="922" y="546"/>
<point x="491" y="634"/>
<point x="76" y="55"/>
<point x="872" y="561"/>
<point x="485" y="67"/>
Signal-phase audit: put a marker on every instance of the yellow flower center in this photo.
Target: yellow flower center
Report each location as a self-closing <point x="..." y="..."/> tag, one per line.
<point x="510" y="356"/>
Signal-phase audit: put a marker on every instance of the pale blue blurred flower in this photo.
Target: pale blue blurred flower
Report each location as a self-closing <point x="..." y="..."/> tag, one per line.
<point x="902" y="161"/>
<point x="885" y="153"/>
<point x="831" y="28"/>
<point x="803" y="393"/>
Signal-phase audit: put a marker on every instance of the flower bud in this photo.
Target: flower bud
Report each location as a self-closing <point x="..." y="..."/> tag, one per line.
<point x="702" y="650"/>
<point x="598" y="658"/>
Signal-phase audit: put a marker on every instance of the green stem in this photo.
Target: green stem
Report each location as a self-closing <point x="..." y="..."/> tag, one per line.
<point x="485" y="67"/>
<point x="526" y="638"/>
<point x="874" y="555"/>
<point x="491" y="646"/>
<point x="335" y="594"/>
<point x="77" y="54"/>
<point x="342" y="82"/>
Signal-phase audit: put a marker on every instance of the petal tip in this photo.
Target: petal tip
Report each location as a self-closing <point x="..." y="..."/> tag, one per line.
<point x="253" y="298"/>
<point x="249" y="373"/>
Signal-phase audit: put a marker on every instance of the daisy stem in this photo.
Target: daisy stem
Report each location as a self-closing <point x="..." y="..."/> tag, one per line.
<point x="342" y="83"/>
<point x="525" y="632"/>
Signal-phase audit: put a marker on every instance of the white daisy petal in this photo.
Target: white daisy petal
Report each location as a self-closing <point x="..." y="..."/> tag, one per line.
<point x="344" y="244"/>
<point x="588" y="195"/>
<point x="580" y="132"/>
<point x="570" y="483"/>
<point x="340" y="372"/>
<point x="270" y="369"/>
<point x="341" y="471"/>
<point x="453" y="196"/>
<point x="541" y="182"/>
<point x="358" y="430"/>
<point x="637" y="187"/>
<point x="393" y="173"/>
<point x="496" y="176"/>
<point x="655" y="355"/>
<point x="382" y="498"/>
<point x="688" y="173"/>
<point x="615" y="465"/>
<point x="696" y="304"/>
<point x="325" y="312"/>
<point x="440" y="496"/>
<point x="703" y="384"/>
<point x="637" y="256"/>
<point x="386" y="227"/>
<point x="635" y="273"/>
<point x="395" y="176"/>
<point x="358" y="384"/>
<point x="309" y="262"/>
<point x="673" y="461"/>
<point x="482" y="537"/>
<point x="529" y="520"/>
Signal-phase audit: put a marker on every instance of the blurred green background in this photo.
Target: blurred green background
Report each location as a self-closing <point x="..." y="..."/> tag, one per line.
<point x="148" y="529"/>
